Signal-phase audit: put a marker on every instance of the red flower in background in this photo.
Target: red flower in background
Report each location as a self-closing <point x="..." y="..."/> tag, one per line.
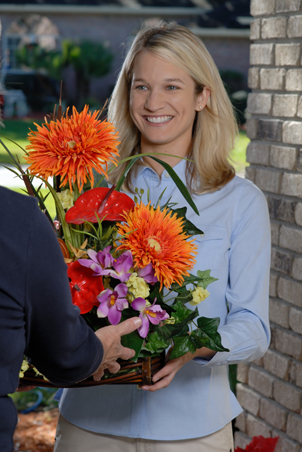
<point x="105" y="202"/>
<point x="84" y="287"/>
<point x="260" y="444"/>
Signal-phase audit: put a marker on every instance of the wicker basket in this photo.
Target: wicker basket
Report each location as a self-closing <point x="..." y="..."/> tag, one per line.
<point x="140" y="372"/>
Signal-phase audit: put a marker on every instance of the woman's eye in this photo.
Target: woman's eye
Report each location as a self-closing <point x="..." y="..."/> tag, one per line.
<point x="141" y="87"/>
<point x="172" y="87"/>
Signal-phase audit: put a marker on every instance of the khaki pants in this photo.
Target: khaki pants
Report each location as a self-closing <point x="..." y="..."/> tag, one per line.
<point x="70" y="438"/>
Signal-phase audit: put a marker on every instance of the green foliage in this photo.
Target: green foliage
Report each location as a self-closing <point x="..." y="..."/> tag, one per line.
<point x="206" y="335"/>
<point x="89" y="59"/>
<point x="155" y="343"/>
<point x="37" y="58"/>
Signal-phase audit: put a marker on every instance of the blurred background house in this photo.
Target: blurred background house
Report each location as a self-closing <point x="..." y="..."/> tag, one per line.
<point x="83" y="43"/>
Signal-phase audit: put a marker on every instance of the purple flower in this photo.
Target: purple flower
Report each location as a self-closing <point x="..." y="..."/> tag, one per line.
<point x="98" y="260"/>
<point x="112" y="302"/>
<point x="121" y="267"/>
<point x="153" y="314"/>
<point x="147" y="274"/>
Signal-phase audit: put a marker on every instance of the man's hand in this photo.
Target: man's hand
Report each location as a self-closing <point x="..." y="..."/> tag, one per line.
<point x="110" y="336"/>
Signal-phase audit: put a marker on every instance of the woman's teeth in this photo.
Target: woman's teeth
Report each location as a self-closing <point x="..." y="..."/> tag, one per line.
<point x="158" y="119"/>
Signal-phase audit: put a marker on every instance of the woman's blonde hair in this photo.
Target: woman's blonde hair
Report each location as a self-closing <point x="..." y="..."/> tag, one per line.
<point x="214" y="128"/>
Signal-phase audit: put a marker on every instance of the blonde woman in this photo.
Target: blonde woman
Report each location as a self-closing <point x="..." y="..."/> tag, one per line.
<point x="169" y="99"/>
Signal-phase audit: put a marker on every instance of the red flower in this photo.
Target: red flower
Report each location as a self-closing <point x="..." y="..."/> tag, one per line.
<point x="260" y="444"/>
<point x="84" y="287"/>
<point x="106" y="203"/>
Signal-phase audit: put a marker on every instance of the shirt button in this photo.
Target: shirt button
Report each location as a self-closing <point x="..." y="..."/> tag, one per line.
<point x="167" y="175"/>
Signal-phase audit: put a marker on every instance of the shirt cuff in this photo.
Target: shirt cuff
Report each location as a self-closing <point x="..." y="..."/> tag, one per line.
<point x="220" y="358"/>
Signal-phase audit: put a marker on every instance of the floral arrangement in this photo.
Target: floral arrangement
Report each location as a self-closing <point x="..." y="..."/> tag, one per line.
<point x="125" y="258"/>
<point x="260" y="444"/>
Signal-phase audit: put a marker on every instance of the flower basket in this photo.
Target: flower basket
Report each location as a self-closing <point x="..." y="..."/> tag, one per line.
<point x="139" y="373"/>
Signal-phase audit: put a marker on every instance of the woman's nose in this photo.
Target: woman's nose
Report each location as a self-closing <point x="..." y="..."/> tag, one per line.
<point x="154" y="101"/>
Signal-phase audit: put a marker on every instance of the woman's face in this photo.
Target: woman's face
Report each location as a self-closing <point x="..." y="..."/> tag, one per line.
<point x="163" y="102"/>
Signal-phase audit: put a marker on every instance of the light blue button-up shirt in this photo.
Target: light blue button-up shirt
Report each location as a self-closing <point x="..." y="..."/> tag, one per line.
<point x="198" y="402"/>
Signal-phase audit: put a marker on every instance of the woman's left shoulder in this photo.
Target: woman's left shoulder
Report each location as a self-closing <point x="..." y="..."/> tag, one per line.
<point x="249" y="201"/>
<point x="244" y="189"/>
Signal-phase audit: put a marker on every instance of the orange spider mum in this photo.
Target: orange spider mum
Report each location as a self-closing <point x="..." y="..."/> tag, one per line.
<point x="157" y="236"/>
<point x="71" y="147"/>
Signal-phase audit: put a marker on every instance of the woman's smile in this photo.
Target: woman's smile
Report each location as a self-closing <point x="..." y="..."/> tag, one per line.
<point x="158" y="120"/>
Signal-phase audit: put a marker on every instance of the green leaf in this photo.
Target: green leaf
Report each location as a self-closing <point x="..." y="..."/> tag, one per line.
<point x="155" y="344"/>
<point x="169" y="331"/>
<point x="204" y="278"/>
<point x="181" y="312"/>
<point x="178" y="182"/>
<point x="134" y="341"/>
<point x="182" y="345"/>
<point x="208" y="331"/>
<point x="189" y="227"/>
<point x="128" y="168"/>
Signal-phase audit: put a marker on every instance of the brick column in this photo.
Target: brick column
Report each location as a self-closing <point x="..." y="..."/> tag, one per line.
<point x="270" y="390"/>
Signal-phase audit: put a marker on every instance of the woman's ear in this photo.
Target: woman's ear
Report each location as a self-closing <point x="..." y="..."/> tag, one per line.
<point x="202" y="99"/>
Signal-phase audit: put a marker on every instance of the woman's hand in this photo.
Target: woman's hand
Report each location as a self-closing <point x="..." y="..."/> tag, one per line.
<point x="163" y="377"/>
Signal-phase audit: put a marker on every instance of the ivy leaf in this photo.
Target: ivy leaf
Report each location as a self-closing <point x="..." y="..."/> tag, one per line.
<point x="207" y="334"/>
<point x="181" y="312"/>
<point x="155" y="344"/>
<point x="169" y="331"/>
<point x="182" y="345"/>
<point x="189" y="227"/>
<point x="204" y="278"/>
<point x="134" y="341"/>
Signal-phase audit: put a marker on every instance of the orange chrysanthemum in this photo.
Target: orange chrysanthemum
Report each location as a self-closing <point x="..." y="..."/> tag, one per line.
<point x="157" y="236"/>
<point x="71" y="147"/>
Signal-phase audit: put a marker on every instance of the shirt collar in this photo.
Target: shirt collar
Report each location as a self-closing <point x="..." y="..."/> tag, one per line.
<point x="179" y="168"/>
